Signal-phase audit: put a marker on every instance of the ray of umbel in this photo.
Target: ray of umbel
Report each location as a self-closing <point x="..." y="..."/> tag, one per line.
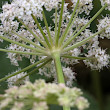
<point x="84" y="27"/>
<point x="20" y="52"/>
<point x="25" y="69"/>
<point x="32" y="33"/>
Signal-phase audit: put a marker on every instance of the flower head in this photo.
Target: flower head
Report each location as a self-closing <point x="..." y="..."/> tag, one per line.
<point x="40" y="94"/>
<point x="66" y="36"/>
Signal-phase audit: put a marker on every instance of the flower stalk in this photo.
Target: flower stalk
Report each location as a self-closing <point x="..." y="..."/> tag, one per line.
<point x="28" y="41"/>
<point x="82" y="42"/>
<point x="25" y="69"/>
<point x="40" y="28"/>
<point x="23" y="45"/>
<point x="34" y="70"/>
<point x="71" y="21"/>
<point x="60" y="22"/>
<point x="79" y="58"/>
<point x="32" y="32"/>
<point x="60" y="75"/>
<point x="46" y="24"/>
<point x="20" y="52"/>
<point x="58" y="66"/>
<point x="83" y="28"/>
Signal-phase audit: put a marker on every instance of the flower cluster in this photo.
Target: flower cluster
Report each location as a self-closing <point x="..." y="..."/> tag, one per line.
<point x="99" y="57"/>
<point x="85" y="5"/>
<point x="68" y="36"/>
<point x="50" y="71"/>
<point x="14" y="80"/>
<point x="36" y="97"/>
<point x="106" y="1"/>
<point x="104" y="23"/>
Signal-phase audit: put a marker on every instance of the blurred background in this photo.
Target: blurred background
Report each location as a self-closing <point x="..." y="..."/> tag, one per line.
<point x="94" y="84"/>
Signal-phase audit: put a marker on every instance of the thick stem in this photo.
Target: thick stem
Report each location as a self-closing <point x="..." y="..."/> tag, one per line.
<point x="97" y="88"/>
<point x="66" y="108"/>
<point x="60" y="75"/>
<point x="58" y="68"/>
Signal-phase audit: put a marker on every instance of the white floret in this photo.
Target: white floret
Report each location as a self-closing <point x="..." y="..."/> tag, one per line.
<point x="86" y="5"/>
<point x="103" y="2"/>
<point x="13" y="80"/>
<point x="101" y="59"/>
<point x="104" y="23"/>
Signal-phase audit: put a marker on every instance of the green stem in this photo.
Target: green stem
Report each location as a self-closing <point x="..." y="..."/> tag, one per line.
<point x="46" y="24"/>
<point x="40" y="28"/>
<point x="39" y="36"/>
<point x="20" y="52"/>
<point x="32" y="32"/>
<point x="20" y="44"/>
<point x="84" y="27"/>
<point x="60" y="22"/>
<point x="95" y="75"/>
<point x="82" y="42"/>
<point x="75" y="31"/>
<point x="28" y="41"/>
<point x="66" y="108"/>
<point x="56" y="27"/>
<point x="71" y="21"/>
<point x="34" y="70"/>
<point x="79" y="58"/>
<point x="25" y="69"/>
<point x="58" y="68"/>
<point x="59" y="71"/>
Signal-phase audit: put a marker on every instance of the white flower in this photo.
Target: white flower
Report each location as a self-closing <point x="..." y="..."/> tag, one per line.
<point x="81" y="102"/>
<point x="100" y="58"/>
<point x="23" y="9"/>
<point x="69" y="76"/>
<point x="5" y="102"/>
<point x="21" y="23"/>
<point x="86" y="5"/>
<point x="14" y="79"/>
<point x="104" y="23"/>
<point x="17" y="106"/>
<point x="107" y="2"/>
<point x="50" y="71"/>
<point x="62" y="95"/>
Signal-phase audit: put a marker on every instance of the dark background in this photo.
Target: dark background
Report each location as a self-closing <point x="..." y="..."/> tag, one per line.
<point x="95" y="84"/>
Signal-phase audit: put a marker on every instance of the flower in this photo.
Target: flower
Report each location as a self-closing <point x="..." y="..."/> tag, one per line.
<point x="100" y="58"/>
<point x="20" y="24"/>
<point x="40" y="94"/>
<point x="107" y="2"/>
<point x="15" y="80"/>
<point x="103" y="23"/>
<point x="49" y="46"/>
<point x="86" y="5"/>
